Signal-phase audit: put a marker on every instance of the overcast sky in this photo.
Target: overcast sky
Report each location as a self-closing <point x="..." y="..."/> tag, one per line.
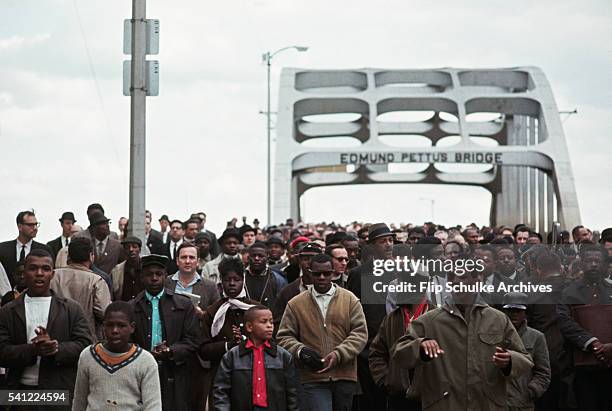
<point x="64" y="123"/>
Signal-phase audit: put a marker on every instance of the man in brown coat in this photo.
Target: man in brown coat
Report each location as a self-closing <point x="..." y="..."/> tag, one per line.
<point x="79" y="283"/>
<point x="463" y="352"/>
<point x="324" y="328"/>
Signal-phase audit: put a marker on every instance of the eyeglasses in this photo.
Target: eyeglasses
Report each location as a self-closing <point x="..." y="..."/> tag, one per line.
<point x="341" y="259"/>
<point x="319" y="273"/>
<point x="31" y="225"/>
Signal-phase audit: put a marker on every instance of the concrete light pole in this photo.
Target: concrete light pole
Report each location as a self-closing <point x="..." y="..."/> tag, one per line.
<point x="267" y="58"/>
<point x="138" y="93"/>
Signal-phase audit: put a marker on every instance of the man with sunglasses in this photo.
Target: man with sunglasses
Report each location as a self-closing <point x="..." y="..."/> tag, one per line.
<point x="324" y="328"/>
<point x="15" y="251"/>
<point x="340" y="261"/>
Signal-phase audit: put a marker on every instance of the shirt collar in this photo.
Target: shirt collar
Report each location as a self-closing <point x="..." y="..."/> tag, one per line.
<point x="27" y="245"/>
<point x="330" y="292"/>
<point x="250" y="344"/>
<point x="152" y="297"/>
<point x="196" y="278"/>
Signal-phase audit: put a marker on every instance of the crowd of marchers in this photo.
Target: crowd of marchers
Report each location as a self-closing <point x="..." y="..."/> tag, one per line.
<point x="276" y="317"/>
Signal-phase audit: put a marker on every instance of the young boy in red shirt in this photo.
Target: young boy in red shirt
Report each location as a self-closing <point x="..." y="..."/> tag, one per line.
<point x="258" y="363"/>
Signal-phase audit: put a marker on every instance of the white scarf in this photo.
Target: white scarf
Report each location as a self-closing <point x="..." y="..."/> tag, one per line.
<point x="219" y="319"/>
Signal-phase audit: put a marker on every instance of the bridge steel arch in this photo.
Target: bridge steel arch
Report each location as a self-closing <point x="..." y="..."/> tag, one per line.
<point x="505" y="120"/>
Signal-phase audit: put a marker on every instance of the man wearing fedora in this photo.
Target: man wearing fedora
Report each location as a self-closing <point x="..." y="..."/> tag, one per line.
<point x="92" y="209"/>
<point x="380" y="247"/>
<point x="67" y="220"/>
<point x="107" y="250"/>
<point x="229" y="242"/>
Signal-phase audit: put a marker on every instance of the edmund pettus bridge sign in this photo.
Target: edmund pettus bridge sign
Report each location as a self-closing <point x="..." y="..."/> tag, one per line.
<point x="474" y="157"/>
<point x="521" y="144"/>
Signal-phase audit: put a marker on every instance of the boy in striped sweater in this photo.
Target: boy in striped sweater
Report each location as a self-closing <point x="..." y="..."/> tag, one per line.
<point x="117" y="374"/>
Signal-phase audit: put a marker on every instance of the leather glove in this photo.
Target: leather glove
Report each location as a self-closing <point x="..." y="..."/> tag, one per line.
<point x="311" y="359"/>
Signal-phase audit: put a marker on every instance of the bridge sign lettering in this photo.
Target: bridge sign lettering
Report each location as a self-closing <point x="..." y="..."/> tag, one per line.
<point x="468" y="157"/>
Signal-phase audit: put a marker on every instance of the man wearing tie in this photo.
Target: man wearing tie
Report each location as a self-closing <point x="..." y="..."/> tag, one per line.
<point x="14" y="251"/>
<point x="164" y="225"/>
<point x="175" y="239"/>
<point x="107" y="250"/>
<point x="66" y="221"/>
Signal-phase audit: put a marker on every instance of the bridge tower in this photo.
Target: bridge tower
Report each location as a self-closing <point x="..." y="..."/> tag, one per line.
<point x="522" y="148"/>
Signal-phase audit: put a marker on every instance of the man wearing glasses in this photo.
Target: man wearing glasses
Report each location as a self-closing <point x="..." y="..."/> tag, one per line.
<point x="15" y="251"/>
<point x="340" y="260"/>
<point x="324" y="329"/>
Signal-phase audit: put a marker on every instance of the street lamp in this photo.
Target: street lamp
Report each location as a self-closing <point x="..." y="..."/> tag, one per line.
<point x="267" y="58"/>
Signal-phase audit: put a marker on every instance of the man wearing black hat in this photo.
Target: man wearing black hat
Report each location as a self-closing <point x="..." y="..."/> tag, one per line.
<point x="92" y="209"/>
<point x="229" y="241"/>
<point x="380" y="246"/>
<point x="107" y="250"/>
<point x="67" y="220"/>
<point x="166" y="326"/>
<point x="525" y="389"/>
<point x="126" y="276"/>
<point x="276" y="253"/>
<point x="304" y="252"/>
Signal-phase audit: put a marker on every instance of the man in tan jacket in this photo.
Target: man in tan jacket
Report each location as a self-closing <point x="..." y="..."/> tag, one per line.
<point x="324" y="329"/>
<point x="79" y="283"/>
<point x="463" y="352"/>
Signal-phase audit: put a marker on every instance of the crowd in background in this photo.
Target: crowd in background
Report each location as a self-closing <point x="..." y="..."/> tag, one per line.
<point x="274" y="317"/>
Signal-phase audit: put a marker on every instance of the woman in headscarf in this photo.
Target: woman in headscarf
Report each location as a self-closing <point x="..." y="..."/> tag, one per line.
<point x="223" y="321"/>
